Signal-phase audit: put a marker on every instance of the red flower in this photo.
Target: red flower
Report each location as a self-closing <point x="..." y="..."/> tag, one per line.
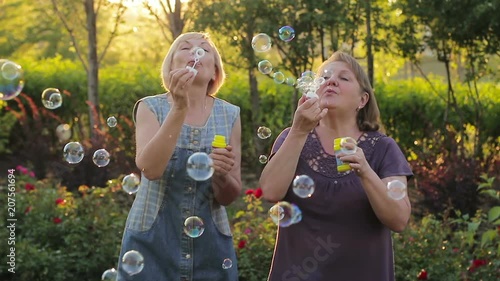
<point x="476" y="264"/>
<point x="57" y="220"/>
<point x="258" y="193"/>
<point x="29" y="187"/>
<point x="249" y="192"/>
<point x="242" y="244"/>
<point x="28" y="209"/>
<point x="59" y="201"/>
<point x="422" y="275"/>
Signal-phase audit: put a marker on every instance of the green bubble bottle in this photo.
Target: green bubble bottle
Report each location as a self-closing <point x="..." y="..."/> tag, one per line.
<point x="219" y="141"/>
<point x="337" y="147"/>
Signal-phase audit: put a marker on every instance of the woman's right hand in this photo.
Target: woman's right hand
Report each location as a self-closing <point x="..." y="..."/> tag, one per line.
<point x="180" y="81"/>
<point x="307" y="115"/>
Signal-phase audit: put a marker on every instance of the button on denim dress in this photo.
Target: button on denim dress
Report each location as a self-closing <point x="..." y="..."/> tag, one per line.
<point x="155" y="224"/>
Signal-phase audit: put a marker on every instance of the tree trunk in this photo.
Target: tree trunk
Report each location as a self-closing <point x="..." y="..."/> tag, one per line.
<point x="93" y="69"/>
<point x="369" y="42"/>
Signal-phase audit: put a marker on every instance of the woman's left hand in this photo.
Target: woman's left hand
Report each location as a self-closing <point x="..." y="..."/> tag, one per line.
<point x="357" y="160"/>
<point x="223" y="159"/>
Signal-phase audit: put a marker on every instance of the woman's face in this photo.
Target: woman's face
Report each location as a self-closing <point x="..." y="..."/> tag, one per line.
<point x="341" y="89"/>
<point x="189" y="52"/>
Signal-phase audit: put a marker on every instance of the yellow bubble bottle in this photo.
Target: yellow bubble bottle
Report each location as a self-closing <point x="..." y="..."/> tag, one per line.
<point x="341" y="166"/>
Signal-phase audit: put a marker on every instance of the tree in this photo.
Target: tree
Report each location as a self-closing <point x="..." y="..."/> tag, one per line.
<point x="169" y="18"/>
<point x="69" y="13"/>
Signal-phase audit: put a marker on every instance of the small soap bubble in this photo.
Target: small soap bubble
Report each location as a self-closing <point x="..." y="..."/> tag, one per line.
<point x="297" y="214"/>
<point x="51" y="98"/>
<point x="109" y="275"/>
<point x="111" y="121"/>
<point x="261" y="42"/>
<point x="265" y="67"/>
<point x="194" y="227"/>
<point x="101" y="157"/>
<point x="227" y="264"/>
<point x="351" y="147"/>
<point x="263" y="159"/>
<point x="263" y="132"/>
<point x="73" y="152"/>
<point x="396" y="190"/>
<point x="286" y="33"/>
<point x="290" y="81"/>
<point x="276" y="213"/>
<point x="200" y="166"/>
<point x="11" y="79"/>
<point x="63" y="132"/>
<point x="132" y="262"/>
<point x="303" y="186"/>
<point x="279" y="77"/>
<point x="131" y="183"/>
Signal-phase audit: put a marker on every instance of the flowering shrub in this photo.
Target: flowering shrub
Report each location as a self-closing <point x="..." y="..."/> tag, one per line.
<point x="465" y="249"/>
<point x="254" y="235"/>
<point x="62" y="235"/>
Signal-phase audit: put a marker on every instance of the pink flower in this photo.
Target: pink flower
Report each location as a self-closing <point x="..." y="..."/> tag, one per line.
<point x="29" y="187"/>
<point x="422" y="275"/>
<point x="57" y="220"/>
<point x="31" y="174"/>
<point x="22" y="169"/>
<point x="258" y="193"/>
<point x="248" y="231"/>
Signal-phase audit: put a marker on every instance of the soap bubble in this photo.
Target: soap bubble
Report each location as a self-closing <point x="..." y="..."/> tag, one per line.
<point x="101" y="157"/>
<point x="263" y="132"/>
<point x="194" y="227"/>
<point x="279" y="77"/>
<point x="132" y="262"/>
<point x="111" y="121"/>
<point x="130" y="183"/>
<point x="63" y="132"/>
<point x="285" y="214"/>
<point x="51" y="98"/>
<point x="109" y="275"/>
<point x="396" y="189"/>
<point x="290" y="81"/>
<point x="11" y="79"/>
<point x="73" y="152"/>
<point x="200" y="166"/>
<point x="303" y="186"/>
<point x="265" y="67"/>
<point x="263" y="159"/>
<point x="348" y="150"/>
<point x="227" y="264"/>
<point x="286" y="33"/>
<point x="261" y="42"/>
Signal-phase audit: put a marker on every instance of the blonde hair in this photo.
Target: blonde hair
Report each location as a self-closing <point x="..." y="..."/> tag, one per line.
<point x="368" y="117"/>
<point x="215" y="84"/>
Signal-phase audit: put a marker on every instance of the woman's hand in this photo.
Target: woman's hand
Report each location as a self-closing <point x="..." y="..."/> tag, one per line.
<point x="223" y="159"/>
<point x="307" y="115"/>
<point x="180" y="81"/>
<point x="357" y="160"/>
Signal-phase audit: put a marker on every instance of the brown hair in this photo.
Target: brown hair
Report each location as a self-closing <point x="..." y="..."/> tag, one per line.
<point x="368" y="117"/>
<point x="215" y="84"/>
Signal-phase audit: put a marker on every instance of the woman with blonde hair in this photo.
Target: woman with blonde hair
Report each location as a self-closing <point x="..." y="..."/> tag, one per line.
<point x="170" y="128"/>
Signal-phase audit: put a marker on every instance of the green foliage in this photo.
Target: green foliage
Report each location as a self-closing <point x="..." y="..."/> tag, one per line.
<point x="254" y="234"/>
<point x="62" y="235"/>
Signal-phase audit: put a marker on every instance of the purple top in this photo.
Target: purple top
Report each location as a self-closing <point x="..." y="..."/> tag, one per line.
<point x="339" y="237"/>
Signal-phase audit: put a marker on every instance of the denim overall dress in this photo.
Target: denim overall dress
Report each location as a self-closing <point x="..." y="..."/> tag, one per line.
<point x="155" y="224"/>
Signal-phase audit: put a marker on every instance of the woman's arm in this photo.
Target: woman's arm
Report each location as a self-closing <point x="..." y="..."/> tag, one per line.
<point x="226" y="180"/>
<point x="155" y="144"/>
